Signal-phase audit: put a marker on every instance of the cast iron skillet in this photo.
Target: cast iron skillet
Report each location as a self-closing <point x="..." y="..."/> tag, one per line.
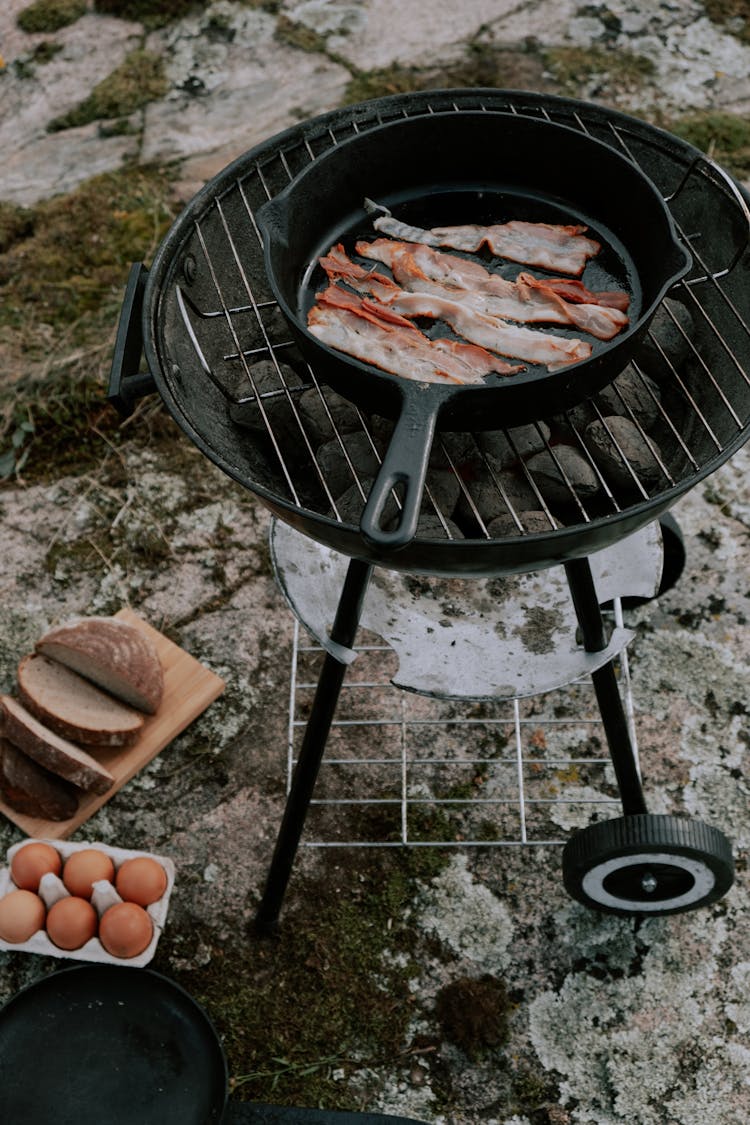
<point x="456" y="168"/>
<point x="99" y="1043"/>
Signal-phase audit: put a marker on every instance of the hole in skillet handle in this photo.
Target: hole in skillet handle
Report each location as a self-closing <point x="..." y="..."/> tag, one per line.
<point x="404" y="468"/>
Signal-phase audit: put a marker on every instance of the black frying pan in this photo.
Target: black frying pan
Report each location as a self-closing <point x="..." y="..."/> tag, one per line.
<point x="100" y="1043"/>
<point x="456" y="168"/>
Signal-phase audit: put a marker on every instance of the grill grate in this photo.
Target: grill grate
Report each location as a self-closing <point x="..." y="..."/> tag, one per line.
<point x="697" y="407"/>
<point x="404" y="770"/>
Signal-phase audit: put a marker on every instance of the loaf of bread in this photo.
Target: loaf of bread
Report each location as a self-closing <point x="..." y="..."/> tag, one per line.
<point x="30" y="789"/>
<point x="56" y="754"/>
<point x="73" y="707"/>
<point x="112" y="654"/>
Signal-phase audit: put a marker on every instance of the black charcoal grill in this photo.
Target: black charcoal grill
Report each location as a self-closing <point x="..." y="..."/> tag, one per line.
<point x="558" y="489"/>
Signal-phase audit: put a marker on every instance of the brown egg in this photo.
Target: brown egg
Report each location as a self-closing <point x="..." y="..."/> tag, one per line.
<point x="71" y="922"/>
<point x="141" y="880"/>
<point x="125" y="929"/>
<point x="84" y="868"/>
<point x="21" y="915"/>
<point x="31" y="862"/>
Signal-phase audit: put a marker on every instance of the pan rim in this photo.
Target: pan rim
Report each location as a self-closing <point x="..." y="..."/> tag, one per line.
<point x="530" y="380"/>
<point x="127" y="981"/>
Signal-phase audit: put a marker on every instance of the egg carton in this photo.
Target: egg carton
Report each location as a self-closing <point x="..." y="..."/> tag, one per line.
<point x="104" y="895"/>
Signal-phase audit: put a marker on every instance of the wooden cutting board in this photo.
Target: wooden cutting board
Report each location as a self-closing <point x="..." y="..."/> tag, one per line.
<point x="189" y="688"/>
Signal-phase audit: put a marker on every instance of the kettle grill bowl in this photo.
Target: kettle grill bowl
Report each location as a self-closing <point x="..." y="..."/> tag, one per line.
<point x="209" y="316"/>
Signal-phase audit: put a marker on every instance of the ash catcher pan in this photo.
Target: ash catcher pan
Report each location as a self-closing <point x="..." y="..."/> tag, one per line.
<point x="455" y="169"/>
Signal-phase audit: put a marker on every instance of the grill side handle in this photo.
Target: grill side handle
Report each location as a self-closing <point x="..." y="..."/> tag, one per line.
<point x="126" y="381"/>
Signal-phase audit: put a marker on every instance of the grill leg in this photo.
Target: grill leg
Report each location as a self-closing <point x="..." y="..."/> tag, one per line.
<point x="586" y="603"/>
<point x="313" y="746"/>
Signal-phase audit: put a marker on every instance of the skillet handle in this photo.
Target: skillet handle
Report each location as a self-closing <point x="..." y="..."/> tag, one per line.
<point x="404" y="468"/>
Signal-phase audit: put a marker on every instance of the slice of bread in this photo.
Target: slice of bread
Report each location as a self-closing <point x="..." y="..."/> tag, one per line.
<point x="73" y="707"/>
<point x="112" y="654"/>
<point x="30" y="789"/>
<point x="48" y="749"/>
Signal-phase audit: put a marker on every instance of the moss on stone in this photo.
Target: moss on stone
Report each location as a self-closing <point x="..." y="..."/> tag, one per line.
<point x="298" y="35"/>
<point x="473" y="1013"/>
<point x="25" y="65"/>
<point x="159" y="13"/>
<point x="482" y="65"/>
<point x="45" y="51"/>
<point x="536" y="1092"/>
<point x="380" y="82"/>
<point x="63" y="268"/>
<point x="574" y="67"/>
<point x="138" y="80"/>
<point x="732" y="15"/>
<point x="16" y="223"/>
<point x="70" y="255"/>
<point x="79" y="557"/>
<point x="50" y="15"/>
<point x="151" y="13"/>
<point x="119" y="127"/>
<point x="725" y="137"/>
<point x="321" y="999"/>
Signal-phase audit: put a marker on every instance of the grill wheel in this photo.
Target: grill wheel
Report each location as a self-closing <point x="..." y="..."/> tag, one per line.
<point x="648" y="864"/>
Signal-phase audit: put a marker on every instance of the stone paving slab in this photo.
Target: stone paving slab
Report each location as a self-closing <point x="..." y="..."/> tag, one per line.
<point x="234" y="79"/>
<point x="230" y="96"/>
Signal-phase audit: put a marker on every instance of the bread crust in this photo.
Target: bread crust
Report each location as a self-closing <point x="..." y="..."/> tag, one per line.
<point x="73" y="707"/>
<point x="56" y="754"/>
<point x="113" y="654"/>
<point x="31" y="789"/>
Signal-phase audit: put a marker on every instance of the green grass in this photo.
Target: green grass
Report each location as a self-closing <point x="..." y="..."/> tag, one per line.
<point x="58" y="426"/>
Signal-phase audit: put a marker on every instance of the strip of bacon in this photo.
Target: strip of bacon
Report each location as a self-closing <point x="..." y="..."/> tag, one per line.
<point x="338" y="265"/>
<point x="490" y="332"/>
<point x="494" y="334"/>
<point x="527" y="299"/>
<point x="575" y="291"/>
<point x="374" y="334"/>
<point x="467" y="273"/>
<point x="561" y="248"/>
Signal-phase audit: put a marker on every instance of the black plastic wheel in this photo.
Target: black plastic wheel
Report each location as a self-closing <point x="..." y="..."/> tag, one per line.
<point x="648" y="864"/>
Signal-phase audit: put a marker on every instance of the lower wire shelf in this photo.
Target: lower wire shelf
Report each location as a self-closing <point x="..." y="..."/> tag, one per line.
<point x="403" y="769"/>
